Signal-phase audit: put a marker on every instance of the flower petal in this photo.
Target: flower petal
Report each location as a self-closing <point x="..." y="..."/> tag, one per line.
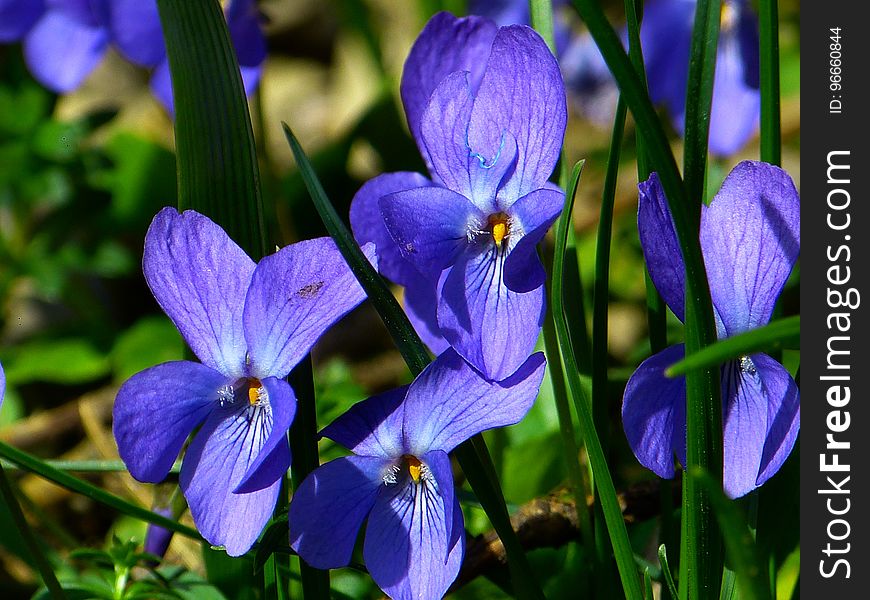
<point x="533" y="214"/>
<point x="421" y="304"/>
<point x="408" y="538"/>
<point x="736" y="108"/>
<point x="521" y="93"/>
<point x="783" y="415"/>
<point x="243" y="22"/>
<point x="754" y="393"/>
<point x="661" y="249"/>
<point x="296" y="295"/>
<point x="17" y="17"/>
<point x="372" y="427"/>
<point x="2" y="385"/>
<point x="328" y="509"/>
<point x="199" y="276"/>
<point x="161" y="86"/>
<point x="136" y="30"/>
<point x="157" y="409"/>
<point x="64" y="46"/>
<point x="445" y="142"/>
<point x="665" y="36"/>
<point x="445" y="45"/>
<point x="216" y="461"/>
<point x="367" y="222"/>
<point x="492" y="327"/>
<point x="654" y="413"/>
<point x="431" y="226"/>
<point x="750" y="237"/>
<point x="273" y="458"/>
<point x="449" y="402"/>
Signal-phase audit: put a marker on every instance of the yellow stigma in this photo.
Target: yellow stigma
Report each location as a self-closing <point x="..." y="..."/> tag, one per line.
<point x="500" y="229"/>
<point x="415" y="467"/>
<point x="254" y="387"/>
<point x="727" y="16"/>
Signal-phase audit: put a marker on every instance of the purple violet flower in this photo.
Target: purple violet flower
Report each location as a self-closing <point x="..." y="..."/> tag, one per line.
<point x="750" y="239"/>
<point x="399" y="476"/>
<point x="486" y="106"/>
<point x="666" y="37"/>
<point x="249" y="324"/>
<point x="157" y="538"/>
<point x="64" y="40"/>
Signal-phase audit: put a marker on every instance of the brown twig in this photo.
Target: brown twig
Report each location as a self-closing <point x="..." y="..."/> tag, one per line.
<point x="551" y="522"/>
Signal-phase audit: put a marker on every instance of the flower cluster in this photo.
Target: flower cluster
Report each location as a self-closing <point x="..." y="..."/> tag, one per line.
<point x="486" y="106"/>
<point x="750" y="239"/>
<point x="64" y="40"/>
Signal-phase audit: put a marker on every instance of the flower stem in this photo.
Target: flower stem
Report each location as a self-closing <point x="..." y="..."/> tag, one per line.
<point x="42" y="564"/>
<point x="768" y="25"/>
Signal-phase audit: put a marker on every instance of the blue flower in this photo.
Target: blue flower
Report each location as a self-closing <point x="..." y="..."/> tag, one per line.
<point x="750" y="239"/>
<point x="486" y="106"/>
<point x="64" y="40"/>
<point x="249" y="324"/>
<point x="399" y="476"/>
<point x="666" y="37"/>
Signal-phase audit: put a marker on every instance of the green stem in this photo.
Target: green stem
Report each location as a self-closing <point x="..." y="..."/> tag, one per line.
<point x="74" y="484"/>
<point x="768" y="26"/>
<point x="42" y="564"/>
<point x="604" y="484"/>
<point x="541" y="13"/>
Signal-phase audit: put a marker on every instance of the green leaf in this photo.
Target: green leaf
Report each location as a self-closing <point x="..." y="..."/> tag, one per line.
<point x="750" y="568"/>
<point x="150" y="341"/>
<point x="782" y="333"/>
<point x="67" y="361"/>
<point x="601" y="474"/>
<point x="217" y="166"/>
<point x="234" y="577"/>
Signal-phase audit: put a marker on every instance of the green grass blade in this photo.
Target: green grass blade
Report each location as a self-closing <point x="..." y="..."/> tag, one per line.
<point x="218" y="173"/>
<point x="303" y="443"/>
<point x="750" y="568"/>
<point x="666" y="571"/>
<point x="42" y="564"/>
<point x="699" y="98"/>
<point x="472" y="454"/>
<point x="782" y="333"/>
<point x="601" y="288"/>
<point x="74" y="484"/>
<point x="768" y="26"/>
<point x="406" y="339"/>
<point x="700" y="558"/>
<point x="603" y="482"/>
